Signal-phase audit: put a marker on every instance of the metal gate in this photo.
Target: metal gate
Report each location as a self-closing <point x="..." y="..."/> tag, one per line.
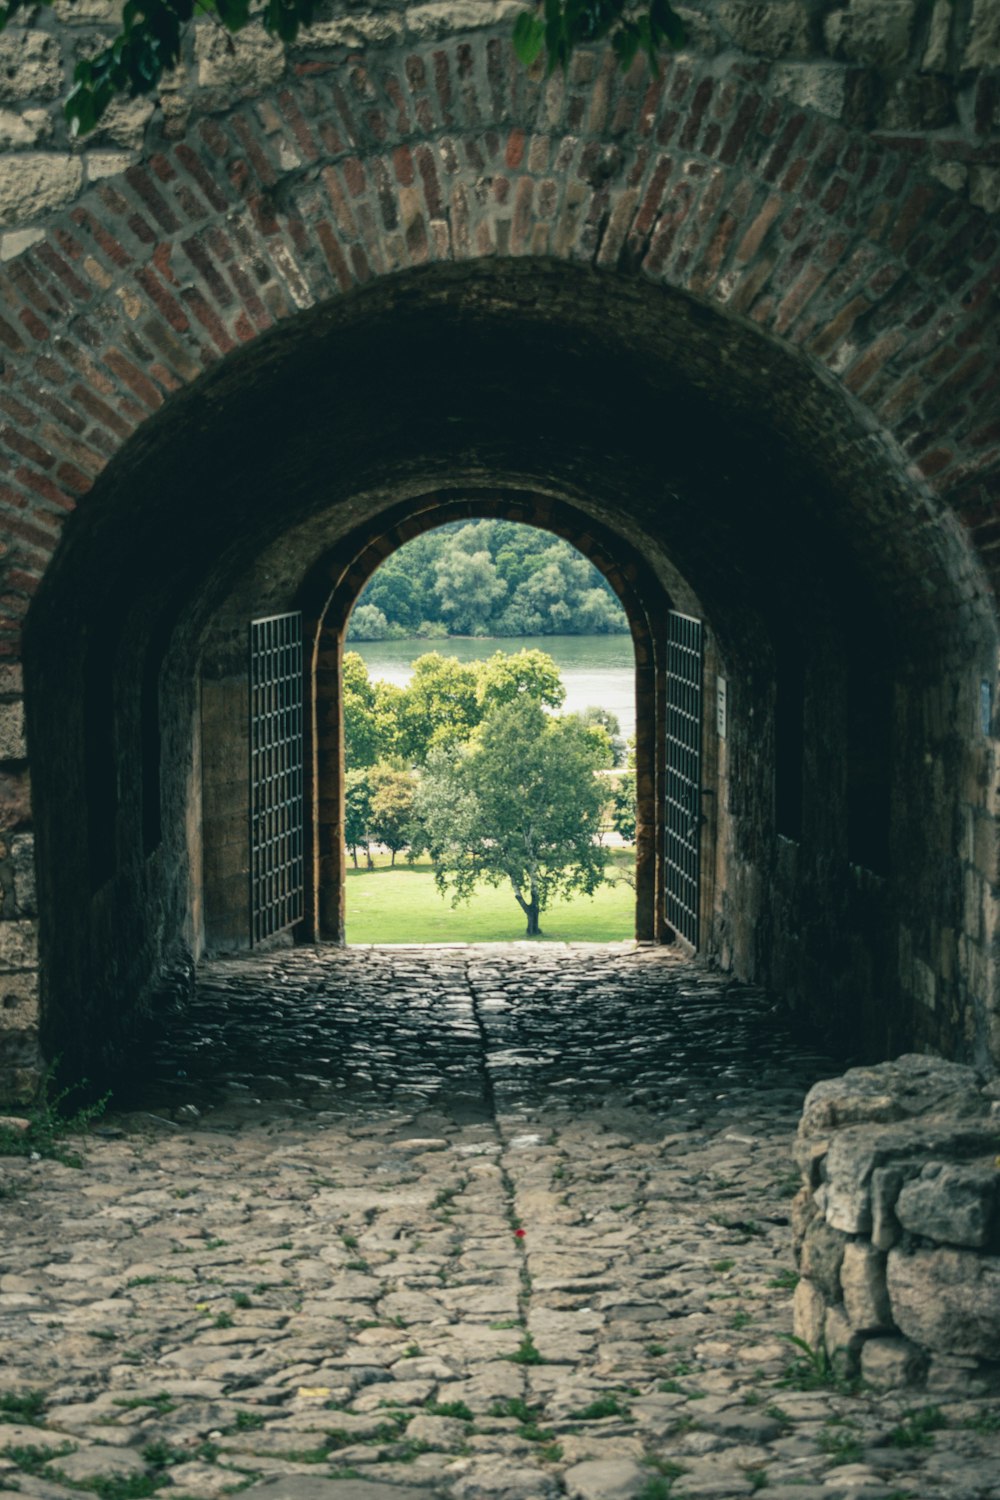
<point x="683" y="780"/>
<point x="277" y="867"/>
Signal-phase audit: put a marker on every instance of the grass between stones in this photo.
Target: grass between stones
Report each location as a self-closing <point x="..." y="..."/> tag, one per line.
<point x="403" y="905"/>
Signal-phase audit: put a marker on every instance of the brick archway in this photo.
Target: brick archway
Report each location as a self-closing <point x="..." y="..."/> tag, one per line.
<point x="805" y="289"/>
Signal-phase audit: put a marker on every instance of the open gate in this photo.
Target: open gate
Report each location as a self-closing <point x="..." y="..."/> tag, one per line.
<point x="682" y="853"/>
<point x="277" y="854"/>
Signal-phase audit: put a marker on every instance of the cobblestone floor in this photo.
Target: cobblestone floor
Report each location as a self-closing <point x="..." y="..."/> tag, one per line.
<point x="475" y="1222"/>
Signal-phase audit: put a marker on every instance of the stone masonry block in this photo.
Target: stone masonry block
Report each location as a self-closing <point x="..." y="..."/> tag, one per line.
<point x="891" y="1363"/>
<point x="862" y="1279"/>
<point x="822" y="1254"/>
<point x="18" y="946"/>
<point x="31" y="65"/>
<point x="22" y="850"/>
<point x="983" y="46"/>
<point x="12" y="743"/>
<point x="35" y="183"/>
<point x="779" y="29"/>
<point x="885" y="1185"/>
<point x="947" y="1300"/>
<point x="954" y="1203"/>
<point x="872" y="32"/>
<point x="843" y="1343"/>
<point x="809" y="1313"/>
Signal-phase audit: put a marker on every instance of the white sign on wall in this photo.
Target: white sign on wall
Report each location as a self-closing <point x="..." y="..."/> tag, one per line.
<point x="720" y="707"/>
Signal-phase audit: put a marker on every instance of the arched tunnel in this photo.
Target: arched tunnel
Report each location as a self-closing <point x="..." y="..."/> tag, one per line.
<point x="713" y="470"/>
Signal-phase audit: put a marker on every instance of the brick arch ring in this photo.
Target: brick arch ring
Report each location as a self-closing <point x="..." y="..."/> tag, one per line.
<point x="831" y="245"/>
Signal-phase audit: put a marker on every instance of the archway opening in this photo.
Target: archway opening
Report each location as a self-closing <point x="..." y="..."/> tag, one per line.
<point x="491" y="652"/>
<point x="722" y="476"/>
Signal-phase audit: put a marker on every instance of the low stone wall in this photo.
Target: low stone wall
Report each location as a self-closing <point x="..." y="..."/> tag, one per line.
<point x="897" y="1224"/>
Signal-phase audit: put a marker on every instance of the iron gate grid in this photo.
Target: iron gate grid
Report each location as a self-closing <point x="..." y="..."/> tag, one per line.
<point x="277" y="863"/>
<point x="683" y="778"/>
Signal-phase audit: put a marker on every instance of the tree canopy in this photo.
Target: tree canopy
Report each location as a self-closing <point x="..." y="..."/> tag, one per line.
<point x="152" y="32"/>
<point x="518" y="804"/>
<point x="486" y="578"/>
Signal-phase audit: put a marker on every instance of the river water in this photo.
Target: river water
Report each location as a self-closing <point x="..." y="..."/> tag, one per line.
<point x="596" y="670"/>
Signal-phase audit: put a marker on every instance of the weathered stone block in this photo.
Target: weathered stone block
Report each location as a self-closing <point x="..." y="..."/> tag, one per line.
<point x="822" y="1254"/>
<point x="32" y="184"/>
<point x="947" y="1300"/>
<point x="808" y="1313"/>
<point x="875" y="32"/>
<point x="23" y="128"/>
<point x="912" y="1085"/>
<point x="952" y="1203"/>
<point x="18" y="946"/>
<point x="12" y="743"/>
<point x="862" y="1280"/>
<point x="889" y="1363"/>
<point x="236" y="67"/>
<point x="811" y="85"/>
<point x="885" y="1185"/>
<point x="843" y="1343"/>
<point x="18" y="1000"/>
<point x="983" y="46"/>
<point x="31" y="65"/>
<point x="779" y="29"/>
<point x="22" y="852"/>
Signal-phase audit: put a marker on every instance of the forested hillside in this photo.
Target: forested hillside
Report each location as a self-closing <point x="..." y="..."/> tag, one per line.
<point x="486" y="578"/>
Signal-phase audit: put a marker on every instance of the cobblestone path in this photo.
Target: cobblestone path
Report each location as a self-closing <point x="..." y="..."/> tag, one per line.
<point x="484" y="1222"/>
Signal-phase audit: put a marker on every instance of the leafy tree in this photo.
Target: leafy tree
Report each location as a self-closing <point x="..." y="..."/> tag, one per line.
<point x="390" y="701"/>
<point x="469" y="589"/>
<point x="361" y="739"/>
<point x="509" y="675"/>
<point x="152" y="32"/>
<point x="357" y="813"/>
<point x="623" y="807"/>
<point x="391" y="815"/>
<point x="440" y="706"/>
<point x="603" y="717"/>
<point x="368" y="623"/>
<point x="519" y="804"/>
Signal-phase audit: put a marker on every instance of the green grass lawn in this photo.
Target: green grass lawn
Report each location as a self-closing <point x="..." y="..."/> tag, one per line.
<point x="403" y="905"/>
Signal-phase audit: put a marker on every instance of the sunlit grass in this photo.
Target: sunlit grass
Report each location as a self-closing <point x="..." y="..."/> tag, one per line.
<point x="403" y="905"/>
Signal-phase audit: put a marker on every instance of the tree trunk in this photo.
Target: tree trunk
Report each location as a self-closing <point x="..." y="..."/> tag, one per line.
<point x="370" y="863"/>
<point x="531" y="912"/>
<point x="392" y="860"/>
<point x="354" y="855"/>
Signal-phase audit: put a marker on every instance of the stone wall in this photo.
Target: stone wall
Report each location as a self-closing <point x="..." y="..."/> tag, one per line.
<point x="741" y="312"/>
<point x="923" y="77"/>
<point x="897" y="1224"/>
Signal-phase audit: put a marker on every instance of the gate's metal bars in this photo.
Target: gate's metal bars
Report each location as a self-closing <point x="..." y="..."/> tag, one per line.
<point x="277" y="866"/>
<point x="683" y="781"/>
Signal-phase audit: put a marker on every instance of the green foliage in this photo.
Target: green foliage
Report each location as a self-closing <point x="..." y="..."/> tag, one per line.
<point x="457" y="1409"/>
<point x="918" y="1427"/>
<point x="152" y="32"/>
<point x="486" y="578"/>
<point x="604" y="1406"/>
<point x="518" y="805"/>
<point x="49" y="1121"/>
<point x="841" y="1445"/>
<point x="813" y="1370"/>
<point x="558" y="27"/>
<point x="390" y="815"/>
<point x="22" y="1406"/>
<point x="526" y="1353"/>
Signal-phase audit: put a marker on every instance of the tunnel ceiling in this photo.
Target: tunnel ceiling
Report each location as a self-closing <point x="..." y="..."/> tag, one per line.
<point x="669" y="420"/>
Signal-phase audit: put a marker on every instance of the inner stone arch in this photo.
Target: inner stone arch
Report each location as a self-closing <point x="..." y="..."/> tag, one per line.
<point x="703" y="449"/>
